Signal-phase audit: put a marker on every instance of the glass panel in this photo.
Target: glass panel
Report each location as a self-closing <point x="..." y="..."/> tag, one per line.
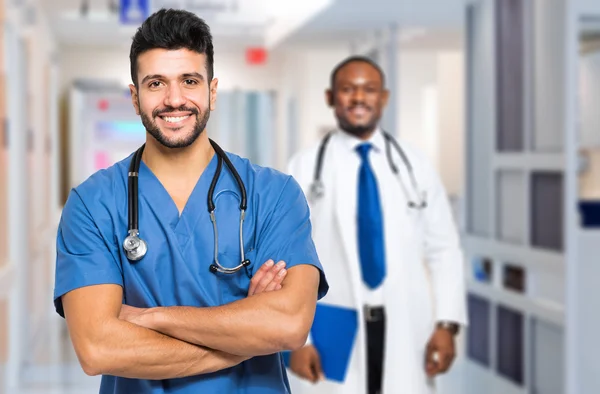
<point x="547" y="210"/>
<point x="549" y="107"/>
<point x="478" y="332"/>
<point x="511" y="206"/>
<point x="510" y="74"/>
<point x="510" y="344"/>
<point x="480" y="119"/>
<point x="547" y="358"/>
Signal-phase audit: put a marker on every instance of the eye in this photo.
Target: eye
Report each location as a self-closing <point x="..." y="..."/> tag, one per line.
<point x="191" y="82"/>
<point x="154" y="84"/>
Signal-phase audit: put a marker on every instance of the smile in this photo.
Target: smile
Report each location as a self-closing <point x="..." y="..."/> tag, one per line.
<point x="175" y="119"/>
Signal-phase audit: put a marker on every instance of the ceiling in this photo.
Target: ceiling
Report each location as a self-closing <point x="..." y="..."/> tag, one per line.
<point x="272" y="23"/>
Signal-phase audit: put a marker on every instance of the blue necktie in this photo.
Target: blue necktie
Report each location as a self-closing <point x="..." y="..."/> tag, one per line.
<point x="371" y="246"/>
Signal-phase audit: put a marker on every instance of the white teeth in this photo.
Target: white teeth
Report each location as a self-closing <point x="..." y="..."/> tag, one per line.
<point x="171" y="119"/>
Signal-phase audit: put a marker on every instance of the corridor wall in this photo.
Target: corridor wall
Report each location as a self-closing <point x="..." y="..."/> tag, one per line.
<point x="515" y="186"/>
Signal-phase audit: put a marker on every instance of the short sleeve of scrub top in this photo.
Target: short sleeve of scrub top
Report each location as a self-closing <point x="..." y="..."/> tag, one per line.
<point x="287" y="234"/>
<point x="83" y="257"/>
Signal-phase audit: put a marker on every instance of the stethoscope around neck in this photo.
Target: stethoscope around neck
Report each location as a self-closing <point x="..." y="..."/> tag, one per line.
<point x="317" y="188"/>
<point x="136" y="248"/>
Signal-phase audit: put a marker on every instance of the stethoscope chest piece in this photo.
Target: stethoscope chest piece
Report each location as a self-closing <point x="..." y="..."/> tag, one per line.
<point x="135" y="247"/>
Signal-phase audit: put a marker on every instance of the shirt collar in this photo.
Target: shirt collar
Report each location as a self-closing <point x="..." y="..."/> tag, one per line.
<point x="351" y="142"/>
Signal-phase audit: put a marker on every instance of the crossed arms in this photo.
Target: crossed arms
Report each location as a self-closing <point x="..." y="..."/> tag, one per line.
<point x="162" y="343"/>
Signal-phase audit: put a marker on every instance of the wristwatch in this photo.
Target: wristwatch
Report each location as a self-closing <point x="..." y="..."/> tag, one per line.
<point x="448" y="325"/>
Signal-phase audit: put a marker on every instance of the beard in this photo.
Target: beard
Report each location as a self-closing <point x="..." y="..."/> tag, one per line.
<point x="186" y="140"/>
<point x="358" y="130"/>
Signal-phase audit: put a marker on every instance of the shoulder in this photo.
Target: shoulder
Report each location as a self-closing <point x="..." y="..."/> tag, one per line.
<point x="421" y="164"/>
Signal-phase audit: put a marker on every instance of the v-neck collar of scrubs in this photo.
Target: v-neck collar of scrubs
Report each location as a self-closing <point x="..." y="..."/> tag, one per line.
<point x="162" y="204"/>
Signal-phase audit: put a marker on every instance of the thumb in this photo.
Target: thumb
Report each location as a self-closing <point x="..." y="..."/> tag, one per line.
<point x="316" y="365"/>
<point x="430" y="358"/>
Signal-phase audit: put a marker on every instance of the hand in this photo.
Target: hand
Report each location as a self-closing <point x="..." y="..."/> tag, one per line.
<point x="267" y="278"/>
<point x="440" y="352"/>
<point x="138" y="316"/>
<point x="306" y="363"/>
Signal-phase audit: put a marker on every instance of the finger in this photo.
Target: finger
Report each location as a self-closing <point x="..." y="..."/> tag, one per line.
<point x="276" y="282"/>
<point x="258" y="276"/>
<point x="305" y="373"/>
<point x="312" y="374"/>
<point x="431" y="360"/>
<point x="269" y="277"/>
<point x="445" y="361"/>
<point x="316" y="363"/>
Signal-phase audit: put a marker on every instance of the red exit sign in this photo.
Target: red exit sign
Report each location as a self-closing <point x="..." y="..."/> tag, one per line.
<point x="255" y="56"/>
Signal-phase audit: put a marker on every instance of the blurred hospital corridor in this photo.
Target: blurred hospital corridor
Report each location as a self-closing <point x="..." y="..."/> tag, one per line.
<point x="498" y="99"/>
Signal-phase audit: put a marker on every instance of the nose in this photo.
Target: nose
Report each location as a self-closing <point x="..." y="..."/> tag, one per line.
<point x="175" y="97"/>
<point x="358" y="96"/>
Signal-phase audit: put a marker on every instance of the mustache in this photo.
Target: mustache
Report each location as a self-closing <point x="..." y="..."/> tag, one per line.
<point x="166" y="110"/>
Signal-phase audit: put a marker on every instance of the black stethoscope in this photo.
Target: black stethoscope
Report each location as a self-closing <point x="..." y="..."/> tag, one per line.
<point x="136" y="248"/>
<point x="317" y="188"/>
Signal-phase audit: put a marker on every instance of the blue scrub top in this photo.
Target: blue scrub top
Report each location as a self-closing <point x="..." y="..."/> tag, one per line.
<point x="175" y="270"/>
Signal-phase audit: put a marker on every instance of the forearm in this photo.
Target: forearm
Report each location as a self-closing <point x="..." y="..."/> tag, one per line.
<point x="131" y="351"/>
<point x="448" y="282"/>
<point x="259" y="325"/>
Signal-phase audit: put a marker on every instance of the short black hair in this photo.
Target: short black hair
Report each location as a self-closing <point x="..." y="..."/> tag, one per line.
<point x="172" y="29"/>
<point x="352" y="59"/>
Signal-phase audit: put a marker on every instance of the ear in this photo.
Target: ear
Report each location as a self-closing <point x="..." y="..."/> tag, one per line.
<point x="213" y="94"/>
<point x="329" y="98"/>
<point x="385" y="97"/>
<point x="135" y="99"/>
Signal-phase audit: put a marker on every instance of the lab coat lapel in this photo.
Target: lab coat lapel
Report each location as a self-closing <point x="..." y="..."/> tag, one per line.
<point x="345" y="183"/>
<point x="345" y="204"/>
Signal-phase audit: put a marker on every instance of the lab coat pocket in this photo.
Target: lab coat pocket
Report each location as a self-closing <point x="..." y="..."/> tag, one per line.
<point x="235" y="286"/>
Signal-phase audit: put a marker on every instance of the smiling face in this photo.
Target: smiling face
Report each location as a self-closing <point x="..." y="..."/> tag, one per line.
<point x="358" y="98"/>
<point x="173" y="95"/>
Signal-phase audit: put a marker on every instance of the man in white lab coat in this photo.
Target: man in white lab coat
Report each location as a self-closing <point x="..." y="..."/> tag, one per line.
<point x="385" y="233"/>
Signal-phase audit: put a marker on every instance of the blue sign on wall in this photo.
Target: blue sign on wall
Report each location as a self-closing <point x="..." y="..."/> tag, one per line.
<point x="134" y="11"/>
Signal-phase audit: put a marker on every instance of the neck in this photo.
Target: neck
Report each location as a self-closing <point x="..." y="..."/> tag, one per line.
<point x="180" y="163"/>
<point x="364" y="135"/>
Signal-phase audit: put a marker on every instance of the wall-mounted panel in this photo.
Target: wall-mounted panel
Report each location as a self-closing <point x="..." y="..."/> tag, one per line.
<point x="510" y="75"/>
<point x="511" y="207"/>
<point x="509" y="344"/>
<point x="547" y="358"/>
<point x="478" y="332"/>
<point x="482" y="269"/>
<point x="547" y="210"/>
<point x="549" y="96"/>
<point x="514" y="278"/>
<point x="480" y="117"/>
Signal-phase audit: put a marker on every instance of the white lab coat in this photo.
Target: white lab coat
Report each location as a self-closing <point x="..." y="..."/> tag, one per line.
<point x="424" y="282"/>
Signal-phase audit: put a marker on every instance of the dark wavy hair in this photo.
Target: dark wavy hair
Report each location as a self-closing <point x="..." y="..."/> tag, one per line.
<point x="172" y="29"/>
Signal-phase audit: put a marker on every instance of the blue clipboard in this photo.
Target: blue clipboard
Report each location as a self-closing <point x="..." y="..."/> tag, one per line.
<point x="333" y="335"/>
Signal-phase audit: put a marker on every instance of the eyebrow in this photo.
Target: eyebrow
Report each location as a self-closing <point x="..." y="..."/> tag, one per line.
<point x="184" y="76"/>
